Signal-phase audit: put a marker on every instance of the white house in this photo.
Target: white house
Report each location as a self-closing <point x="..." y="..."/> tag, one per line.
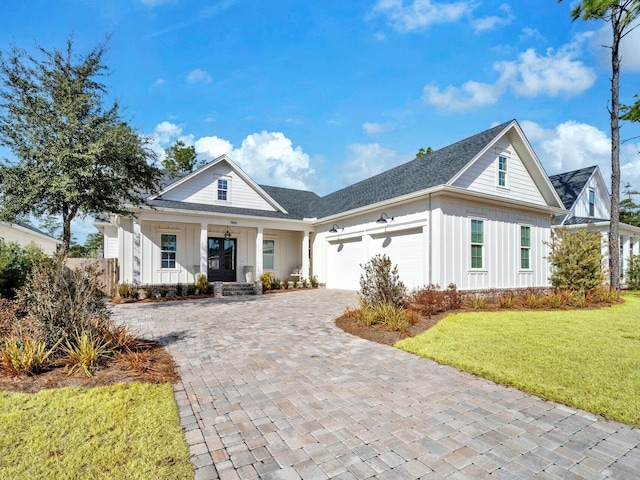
<point x="24" y="235"/>
<point x="475" y="213"/>
<point x="584" y="193"/>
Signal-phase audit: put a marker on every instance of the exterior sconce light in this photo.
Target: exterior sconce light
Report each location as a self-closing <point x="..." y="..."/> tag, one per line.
<point x="335" y="228"/>
<point x="382" y="218"/>
<point x="227" y="234"/>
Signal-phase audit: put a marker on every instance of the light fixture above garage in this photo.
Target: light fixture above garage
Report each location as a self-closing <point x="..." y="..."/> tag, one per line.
<point x="335" y="228"/>
<point x="227" y="235"/>
<point x="382" y="219"/>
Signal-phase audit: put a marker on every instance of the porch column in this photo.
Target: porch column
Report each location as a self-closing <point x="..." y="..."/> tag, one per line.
<point x="626" y="253"/>
<point x="137" y="257"/>
<point x="258" y="254"/>
<point x="305" y="255"/>
<point x="204" y="251"/>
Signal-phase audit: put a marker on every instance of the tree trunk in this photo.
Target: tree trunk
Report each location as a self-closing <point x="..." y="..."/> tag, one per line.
<point x="614" y="231"/>
<point x="68" y="214"/>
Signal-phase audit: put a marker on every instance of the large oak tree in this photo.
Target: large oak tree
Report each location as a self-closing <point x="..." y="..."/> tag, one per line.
<point x="620" y="14"/>
<point x="74" y="153"/>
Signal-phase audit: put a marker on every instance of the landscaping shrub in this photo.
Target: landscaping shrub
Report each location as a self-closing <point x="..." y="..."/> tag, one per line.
<point x="314" y="281"/>
<point x="24" y="356"/>
<point x="380" y="282"/>
<point x="276" y="284"/>
<point x="164" y="291"/>
<point x="148" y="291"/>
<point x="191" y="289"/>
<point x="179" y="289"/>
<point x="534" y="300"/>
<point x="85" y="351"/>
<point x="366" y="315"/>
<point x="556" y="300"/>
<point x="9" y="313"/>
<point x="392" y="316"/>
<point x="576" y="259"/>
<point x="454" y="296"/>
<point x="123" y="290"/>
<point x="61" y="301"/>
<point x="479" y="302"/>
<point x="267" y="281"/>
<point x="285" y="283"/>
<point x="430" y="300"/>
<point x="633" y="272"/>
<point x="15" y="264"/>
<point x="506" y="300"/>
<point x="577" y="299"/>
<point x="202" y="284"/>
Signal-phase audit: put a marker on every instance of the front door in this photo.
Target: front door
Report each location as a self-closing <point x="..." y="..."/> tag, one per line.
<point x="221" y="260"/>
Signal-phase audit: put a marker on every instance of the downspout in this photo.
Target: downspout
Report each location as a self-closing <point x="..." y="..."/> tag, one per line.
<point x="430" y="242"/>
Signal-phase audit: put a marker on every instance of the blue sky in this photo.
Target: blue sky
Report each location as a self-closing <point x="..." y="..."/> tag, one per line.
<point x="318" y="95"/>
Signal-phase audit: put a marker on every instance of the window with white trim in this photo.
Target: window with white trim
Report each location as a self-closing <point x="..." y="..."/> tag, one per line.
<point x="477" y="243"/>
<point x="525" y="247"/>
<point x="268" y="254"/>
<point x="502" y="171"/>
<point x="168" y="247"/>
<point x="223" y="189"/>
<point x="592" y="203"/>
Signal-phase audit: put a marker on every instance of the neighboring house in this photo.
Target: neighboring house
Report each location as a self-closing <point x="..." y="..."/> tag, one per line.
<point x="584" y="193"/>
<point x="24" y="235"/>
<point x="475" y="213"/>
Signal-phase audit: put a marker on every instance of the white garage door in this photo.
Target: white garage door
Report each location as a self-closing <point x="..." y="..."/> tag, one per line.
<point x="345" y="257"/>
<point x="407" y="250"/>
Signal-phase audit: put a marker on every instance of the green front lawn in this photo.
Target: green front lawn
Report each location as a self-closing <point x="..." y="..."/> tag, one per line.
<point x="587" y="359"/>
<point x="126" y="431"/>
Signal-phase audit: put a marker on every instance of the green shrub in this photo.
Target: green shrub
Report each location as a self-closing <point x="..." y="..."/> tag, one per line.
<point x="576" y="259"/>
<point x="179" y="289"/>
<point x="380" y="282"/>
<point x="633" y="272"/>
<point x="148" y="291"/>
<point x="267" y="281"/>
<point x="276" y="284"/>
<point x="202" y="284"/>
<point x="366" y="315"/>
<point x="24" y="356"/>
<point x="191" y="289"/>
<point x="478" y="302"/>
<point x="506" y="300"/>
<point x="314" y="281"/>
<point x="534" y="301"/>
<point x="393" y="317"/>
<point x="15" y="264"/>
<point x="85" y="351"/>
<point x="577" y="299"/>
<point x="555" y="300"/>
<point x="123" y="290"/>
<point x="61" y="301"/>
<point x="164" y="291"/>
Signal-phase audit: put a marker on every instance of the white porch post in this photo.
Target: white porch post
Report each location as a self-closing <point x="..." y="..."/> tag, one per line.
<point x="626" y="253"/>
<point x="258" y="267"/>
<point x="137" y="257"/>
<point x="204" y="247"/>
<point x="305" y="255"/>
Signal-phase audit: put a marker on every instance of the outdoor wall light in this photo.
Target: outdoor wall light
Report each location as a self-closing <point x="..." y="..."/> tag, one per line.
<point x="382" y="218"/>
<point x="227" y="234"/>
<point x="335" y="228"/>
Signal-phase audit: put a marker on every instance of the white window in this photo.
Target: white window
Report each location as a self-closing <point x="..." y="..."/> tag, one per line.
<point x="502" y="171"/>
<point x="268" y="252"/>
<point x="525" y="248"/>
<point x="477" y="243"/>
<point x="592" y="203"/>
<point x="223" y="189"/>
<point x="168" y="247"/>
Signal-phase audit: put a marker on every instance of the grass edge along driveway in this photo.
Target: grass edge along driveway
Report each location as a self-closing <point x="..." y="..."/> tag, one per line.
<point x="586" y="359"/>
<point x="125" y="431"/>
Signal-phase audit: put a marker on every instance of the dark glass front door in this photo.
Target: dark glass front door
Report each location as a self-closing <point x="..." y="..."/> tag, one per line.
<point x="221" y="260"/>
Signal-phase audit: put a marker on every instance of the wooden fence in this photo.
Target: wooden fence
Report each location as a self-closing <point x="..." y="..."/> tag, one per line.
<point x="107" y="268"/>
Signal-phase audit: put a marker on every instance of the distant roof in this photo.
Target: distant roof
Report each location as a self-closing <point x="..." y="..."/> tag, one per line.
<point x="570" y="184"/>
<point x="33" y="229"/>
<point x="584" y="220"/>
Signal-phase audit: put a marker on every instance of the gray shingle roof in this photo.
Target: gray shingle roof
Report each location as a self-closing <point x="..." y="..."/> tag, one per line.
<point x="570" y="184"/>
<point x="424" y="172"/>
<point x="298" y="203"/>
<point x="584" y="220"/>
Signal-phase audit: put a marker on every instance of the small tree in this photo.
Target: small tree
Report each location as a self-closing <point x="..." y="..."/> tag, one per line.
<point x="380" y="282"/>
<point x="633" y="272"/>
<point x="180" y="158"/>
<point x="576" y="259"/>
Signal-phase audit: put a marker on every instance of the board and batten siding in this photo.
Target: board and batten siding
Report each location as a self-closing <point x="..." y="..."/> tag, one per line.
<point x="482" y="176"/>
<point x="203" y="189"/>
<point x="287" y="252"/>
<point x="501" y="251"/>
<point x="601" y="206"/>
<point x="110" y="242"/>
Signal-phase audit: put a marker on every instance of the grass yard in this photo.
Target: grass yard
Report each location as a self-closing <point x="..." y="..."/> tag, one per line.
<point x="588" y="359"/>
<point x="125" y="431"/>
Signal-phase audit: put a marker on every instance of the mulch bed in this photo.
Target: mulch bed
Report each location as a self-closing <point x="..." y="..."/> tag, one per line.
<point x="158" y="367"/>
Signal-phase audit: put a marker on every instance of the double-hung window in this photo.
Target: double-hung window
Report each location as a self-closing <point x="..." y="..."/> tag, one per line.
<point x="525" y="248"/>
<point x="592" y="203"/>
<point x="477" y="243"/>
<point x="268" y="253"/>
<point x="223" y="189"/>
<point x="502" y="171"/>
<point x="168" y="247"/>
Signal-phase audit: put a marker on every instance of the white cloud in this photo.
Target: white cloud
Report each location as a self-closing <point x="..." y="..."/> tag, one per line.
<point x="419" y="14"/>
<point x="373" y="128"/>
<point x="267" y="157"/>
<point x="158" y="82"/>
<point x="629" y="51"/>
<point x="492" y="22"/>
<point x="164" y="134"/>
<point x="198" y="76"/>
<point x="556" y="73"/>
<point x="155" y="3"/>
<point x="365" y="160"/>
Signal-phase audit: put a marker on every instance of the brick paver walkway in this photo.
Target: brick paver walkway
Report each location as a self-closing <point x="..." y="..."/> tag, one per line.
<point x="271" y="388"/>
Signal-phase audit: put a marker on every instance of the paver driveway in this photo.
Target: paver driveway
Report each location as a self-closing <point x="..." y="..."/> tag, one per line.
<point x="271" y="388"/>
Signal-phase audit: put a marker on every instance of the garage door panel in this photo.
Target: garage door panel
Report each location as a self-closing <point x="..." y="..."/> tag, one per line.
<point x="407" y="251"/>
<point x="345" y="257"/>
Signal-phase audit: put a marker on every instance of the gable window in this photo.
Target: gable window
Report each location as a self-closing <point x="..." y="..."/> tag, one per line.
<point x="223" y="189"/>
<point x="168" y="246"/>
<point x="592" y="203"/>
<point x="477" y="243"/>
<point x="525" y="248"/>
<point x="502" y="171"/>
<point x="268" y="253"/>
